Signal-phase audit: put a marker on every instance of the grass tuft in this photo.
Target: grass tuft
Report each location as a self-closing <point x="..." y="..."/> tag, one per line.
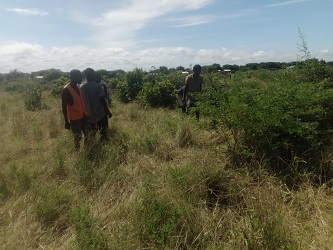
<point x="88" y="236"/>
<point x="52" y="206"/>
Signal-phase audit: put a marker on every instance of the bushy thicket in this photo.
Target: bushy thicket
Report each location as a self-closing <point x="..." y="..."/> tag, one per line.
<point x="288" y="120"/>
<point x="161" y="94"/>
<point x="57" y="86"/>
<point x="33" y="97"/>
<point x="31" y="91"/>
<point x="127" y="91"/>
<point x="155" y="90"/>
<point x="17" y="85"/>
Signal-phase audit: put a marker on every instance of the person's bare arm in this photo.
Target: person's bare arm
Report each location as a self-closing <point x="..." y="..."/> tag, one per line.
<point x="185" y="90"/>
<point x="105" y="106"/>
<point x="64" y="100"/>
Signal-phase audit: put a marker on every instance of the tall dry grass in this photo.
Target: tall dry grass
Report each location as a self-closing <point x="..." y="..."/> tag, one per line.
<point x="164" y="181"/>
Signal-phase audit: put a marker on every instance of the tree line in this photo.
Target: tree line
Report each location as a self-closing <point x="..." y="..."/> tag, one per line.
<point x="53" y="74"/>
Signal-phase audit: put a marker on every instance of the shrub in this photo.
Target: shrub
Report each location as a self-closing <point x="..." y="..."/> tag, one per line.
<point x="313" y="70"/>
<point x="57" y="86"/>
<point x="284" y="120"/>
<point x="177" y="79"/>
<point x="33" y="97"/>
<point x="124" y="92"/>
<point x="162" y="94"/>
<point x="128" y="90"/>
<point x="15" y="86"/>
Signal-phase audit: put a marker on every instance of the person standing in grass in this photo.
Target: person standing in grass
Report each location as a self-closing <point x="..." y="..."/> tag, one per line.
<point x="97" y="110"/>
<point x="193" y="86"/>
<point x="99" y="80"/>
<point x="105" y="88"/>
<point x="73" y="108"/>
<point x="180" y="95"/>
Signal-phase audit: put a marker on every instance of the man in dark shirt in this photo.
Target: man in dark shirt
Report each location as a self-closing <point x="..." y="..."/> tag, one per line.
<point x="193" y="86"/>
<point x="95" y="104"/>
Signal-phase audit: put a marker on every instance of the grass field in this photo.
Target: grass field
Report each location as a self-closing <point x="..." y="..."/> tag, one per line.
<point x="164" y="181"/>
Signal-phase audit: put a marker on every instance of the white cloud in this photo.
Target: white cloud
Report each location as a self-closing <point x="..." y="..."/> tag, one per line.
<point x="286" y="3"/>
<point x="239" y="14"/>
<point x="119" y="26"/>
<point x="192" y="5"/>
<point x="30" y="12"/>
<point x="192" y="20"/>
<point x="33" y="57"/>
<point x="258" y="53"/>
<point x="323" y="54"/>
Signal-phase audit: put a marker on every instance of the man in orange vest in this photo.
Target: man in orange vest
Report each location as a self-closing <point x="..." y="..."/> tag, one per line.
<point x="73" y="108"/>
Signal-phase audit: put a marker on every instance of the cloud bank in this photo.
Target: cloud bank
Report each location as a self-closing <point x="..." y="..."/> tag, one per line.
<point x="29" y="12"/>
<point x="28" y="58"/>
<point x="286" y="3"/>
<point x="119" y="26"/>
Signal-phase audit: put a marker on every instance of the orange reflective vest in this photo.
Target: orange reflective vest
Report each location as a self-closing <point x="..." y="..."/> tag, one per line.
<point x="77" y="110"/>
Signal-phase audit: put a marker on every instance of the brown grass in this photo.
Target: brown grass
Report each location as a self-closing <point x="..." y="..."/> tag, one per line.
<point x="153" y="153"/>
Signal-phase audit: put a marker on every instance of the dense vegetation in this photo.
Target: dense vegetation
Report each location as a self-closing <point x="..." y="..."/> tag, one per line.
<point x="255" y="172"/>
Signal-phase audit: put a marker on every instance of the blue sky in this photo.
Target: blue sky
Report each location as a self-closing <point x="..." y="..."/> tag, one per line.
<point x="124" y="34"/>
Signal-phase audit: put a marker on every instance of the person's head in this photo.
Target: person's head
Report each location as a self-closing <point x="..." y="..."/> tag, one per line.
<point x="98" y="77"/>
<point x="76" y="76"/>
<point x="90" y="74"/>
<point x="197" y="69"/>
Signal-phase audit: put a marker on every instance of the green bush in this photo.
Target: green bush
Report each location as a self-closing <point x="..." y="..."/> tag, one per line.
<point x="15" y="86"/>
<point x="33" y="97"/>
<point x="124" y="92"/>
<point x="57" y="86"/>
<point x="128" y="90"/>
<point x="313" y="70"/>
<point x="283" y="120"/>
<point x="161" y="94"/>
<point x="177" y="79"/>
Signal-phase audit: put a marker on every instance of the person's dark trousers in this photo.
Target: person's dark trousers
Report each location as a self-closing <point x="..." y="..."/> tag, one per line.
<point x="197" y="115"/>
<point x="103" y="127"/>
<point x="184" y="108"/>
<point x="192" y="105"/>
<point x="78" y="127"/>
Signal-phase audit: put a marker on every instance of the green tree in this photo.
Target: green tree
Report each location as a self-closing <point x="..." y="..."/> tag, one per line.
<point x="15" y="74"/>
<point x="134" y="82"/>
